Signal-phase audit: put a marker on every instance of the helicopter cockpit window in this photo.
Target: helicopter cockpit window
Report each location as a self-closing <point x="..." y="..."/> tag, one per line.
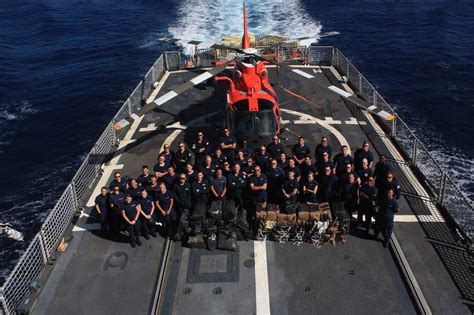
<point x="262" y="123"/>
<point x="264" y="104"/>
<point x="242" y="105"/>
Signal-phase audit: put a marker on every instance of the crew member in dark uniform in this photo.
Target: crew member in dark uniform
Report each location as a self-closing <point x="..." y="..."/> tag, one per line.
<point x="321" y="164"/>
<point x="116" y="199"/>
<point x="275" y="148"/>
<point x="258" y="187"/>
<point x="208" y="168"/>
<point x="165" y="211"/>
<point x="147" y="221"/>
<point x="249" y="169"/>
<point x="133" y="189"/>
<point x="328" y="183"/>
<point x="349" y="193"/>
<point x="293" y="168"/>
<point x="283" y="161"/>
<point x="119" y="181"/>
<point x="102" y="206"/>
<point x="236" y="182"/>
<point x="341" y="160"/>
<point x="219" y="158"/>
<point x="200" y="189"/>
<point x="322" y="148"/>
<point x="300" y="151"/>
<point x="310" y="189"/>
<point x="228" y="144"/>
<point x="145" y="177"/>
<point x="182" y="157"/>
<point x="290" y="188"/>
<point x="168" y="154"/>
<point x="365" y="172"/>
<point x="308" y="167"/>
<point x="276" y="177"/>
<point x="367" y="203"/>
<point x="190" y="173"/>
<point x="170" y="178"/>
<point x="381" y="169"/>
<point x="363" y="153"/>
<point x="201" y="148"/>
<point x="182" y="195"/>
<point x="160" y="168"/>
<point x="262" y="158"/>
<point x="390" y="183"/>
<point x="388" y="207"/>
<point x="240" y="159"/>
<point x="130" y="215"/>
<point x="153" y="187"/>
<point x="218" y="185"/>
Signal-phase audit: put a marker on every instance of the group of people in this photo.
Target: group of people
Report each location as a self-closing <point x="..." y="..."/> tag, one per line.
<point x="157" y="198"/>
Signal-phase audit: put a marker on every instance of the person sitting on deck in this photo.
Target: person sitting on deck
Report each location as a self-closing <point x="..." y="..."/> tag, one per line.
<point x="367" y="203"/>
<point x="170" y="178"/>
<point x="290" y="188"/>
<point x="145" y="176"/>
<point x="218" y="185"/>
<point x="147" y="207"/>
<point x="258" y="187"/>
<point x="322" y="148"/>
<point x="200" y="189"/>
<point x="208" y="168"/>
<point x="363" y="153"/>
<point x="300" y="151"/>
<point x="365" y="172"/>
<point x="182" y="157"/>
<point x="200" y="147"/>
<point x="160" y="168"/>
<point x="182" y="194"/>
<point x="283" y="161"/>
<point x="349" y="193"/>
<point x="385" y="217"/>
<point x="293" y="168"/>
<point x="219" y="158"/>
<point x="275" y="148"/>
<point x="117" y="198"/>
<point x="168" y="154"/>
<point x="249" y="169"/>
<point x="102" y="208"/>
<point x="133" y="189"/>
<point x="321" y="164"/>
<point x="310" y="189"/>
<point x="341" y="160"/>
<point x="121" y="182"/>
<point x="236" y="182"/>
<point x="262" y="158"/>
<point x="382" y="167"/>
<point x="165" y="210"/>
<point x="276" y="177"/>
<point x="328" y="183"/>
<point x="130" y="215"/>
<point x="228" y="144"/>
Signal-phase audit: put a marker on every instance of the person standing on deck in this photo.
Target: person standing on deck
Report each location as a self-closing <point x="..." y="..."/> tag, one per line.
<point x="385" y="217"/>
<point x="182" y="157"/>
<point x="145" y="177"/>
<point x="236" y="182"/>
<point x="168" y="154"/>
<point x="275" y="148"/>
<point x="300" y="151"/>
<point x="341" y="160"/>
<point x="147" y="210"/>
<point x="381" y="169"/>
<point x="130" y="215"/>
<point x="322" y="148"/>
<point x="367" y="203"/>
<point x="363" y="153"/>
<point x="102" y="208"/>
<point x="228" y="144"/>
<point x="165" y="211"/>
<point x="218" y="185"/>
<point x="200" y="147"/>
<point x="258" y="187"/>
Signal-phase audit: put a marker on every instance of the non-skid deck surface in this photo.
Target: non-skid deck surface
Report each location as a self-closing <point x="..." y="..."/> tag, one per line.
<point x="360" y="277"/>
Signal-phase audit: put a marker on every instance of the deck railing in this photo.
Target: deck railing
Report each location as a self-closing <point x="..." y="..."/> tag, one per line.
<point x="42" y="247"/>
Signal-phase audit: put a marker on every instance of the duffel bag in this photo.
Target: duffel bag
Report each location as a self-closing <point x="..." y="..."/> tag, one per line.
<point x="199" y="212"/>
<point x="215" y="211"/>
<point x="196" y="242"/>
<point x="229" y="210"/>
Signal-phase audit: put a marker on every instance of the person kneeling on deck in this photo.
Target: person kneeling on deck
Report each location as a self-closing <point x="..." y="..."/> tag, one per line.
<point x="385" y="217"/>
<point x="130" y="214"/>
<point x="258" y="187"/>
<point x="102" y="206"/>
<point x="166" y="215"/>
<point x="147" y="208"/>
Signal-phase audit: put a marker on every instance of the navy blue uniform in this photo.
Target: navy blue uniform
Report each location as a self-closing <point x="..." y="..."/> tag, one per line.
<point x="385" y="186"/>
<point x="341" y="161"/>
<point x="169" y="158"/>
<point x="365" y="173"/>
<point x="380" y="172"/>
<point x="322" y="164"/>
<point x="306" y="169"/>
<point x="276" y="178"/>
<point x="208" y="171"/>
<point x="349" y="194"/>
<point x="198" y="146"/>
<point x="134" y="192"/>
<point x="160" y="168"/>
<point x="103" y="203"/>
<point x="327" y="189"/>
<point x="133" y="230"/>
<point x="263" y="160"/>
<point x="219" y="184"/>
<point x="289" y="186"/>
<point x="122" y="184"/>
<point x="182" y="197"/>
<point x="144" y="180"/>
<point x="275" y="149"/>
<point x="164" y="200"/>
<point x="319" y="151"/>
<point x="231" y="139"/>
<point x="385" y="217"/>
<point x="295" y="170"/>
<point x="148" y="225"/>
<point x="309" y="196"/>
<point x="200" y="191"/>
<point x="259" y="196"/>
<point x="170" y="180"/>
<point x="359" y="155"/>
<point x="249" y="170"/>
<point x="300" y="151"/>
<point x="367" y="200"/>
<point x="236" y="185"/>
<point x="283" y="165"/>
<point x="181" y="159"/>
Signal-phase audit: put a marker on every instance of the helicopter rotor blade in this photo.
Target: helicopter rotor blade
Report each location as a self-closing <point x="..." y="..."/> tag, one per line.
<point x="171" y="94"/>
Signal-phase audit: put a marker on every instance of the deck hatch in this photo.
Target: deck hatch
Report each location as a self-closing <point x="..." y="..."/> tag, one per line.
<point x="217" y="266"/>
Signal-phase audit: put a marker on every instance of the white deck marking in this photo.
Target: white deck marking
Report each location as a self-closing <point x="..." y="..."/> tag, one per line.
<point x="331" y="121"/>
<point x="165" y="98"/>
<point x="150" y="127"/>
<point x="339" y="78"/>
<point x="176" y="125"/>
<point x="303" y="74"/>
<point x="158" y="88"/>
<point x="262" y="292"/>
<point x="317" y="71"/>
<point x="372" y="107"/>
<point x="339" y="91"/>
<point x="411" y="218"/>
<point x="200" y="78"/>
<point x="351" y="121"/>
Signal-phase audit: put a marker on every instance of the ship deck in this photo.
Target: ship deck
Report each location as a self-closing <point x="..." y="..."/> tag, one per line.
<point x="101" y="276"/>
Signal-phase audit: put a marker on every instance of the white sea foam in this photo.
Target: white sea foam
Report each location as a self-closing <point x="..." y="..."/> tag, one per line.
<point x="208" y="21"/>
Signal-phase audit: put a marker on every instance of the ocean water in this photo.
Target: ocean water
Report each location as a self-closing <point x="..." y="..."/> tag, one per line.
<point x="67" y="66"/>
